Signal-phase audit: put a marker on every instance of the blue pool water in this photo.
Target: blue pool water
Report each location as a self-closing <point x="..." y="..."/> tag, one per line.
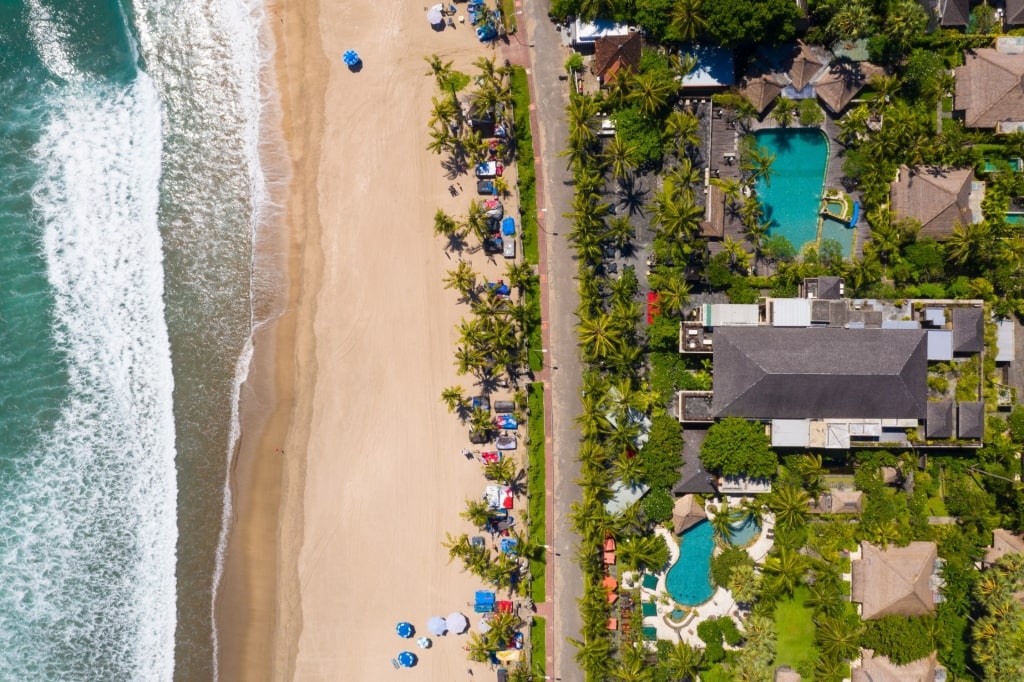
<point x="744" y="532"/>
<point x="689" y="579"/>
<point x="792" y="197"/>
<point x="838" y="232"/>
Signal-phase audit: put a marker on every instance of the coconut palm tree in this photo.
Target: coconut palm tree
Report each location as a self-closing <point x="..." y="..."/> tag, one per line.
<point x="739" y="257"/>
<point x="617" y="90"/>
<point x="476" y="512"/>
<point x="722" y="523"/>
<point x="757" y="163"/>
<point x="651" y="92"/>
<point x="828" y="669"/>
<point x="621" y="231"/>
<point x="745" y="584"/>
<point x="687" y="21"/>
<point x="675" y="213"/>
<point x="750" y="510"/>
<point x="439" y="69"/>
<point x="784" y="111"/>
<point x="837" y="638"/>
<point x="594" y="655"/>
<point x="785" y="570"/>
<point x="684" y="129"/>
<point x="581" y="114"/>
<point x="673" y="294"/>
<point x="812" y="472"/>
<point x="790" y="505"/>
<point x="457" y="546"/>
<point x="519" y="275"/>
<point x="462" y="279"/>
<point x="885" y="89"/>
<point x="620" y="156"/>
<point x="970" y="243"/>
<point x="503" y="471"/>
<point x="453" y="397"/>
<point x="599" y="337"/>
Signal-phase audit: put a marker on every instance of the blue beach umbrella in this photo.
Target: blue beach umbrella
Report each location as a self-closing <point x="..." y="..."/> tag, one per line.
<point x="407" y="659"/>
<point x="351" y="58"/>
<point x="405" y="630"/>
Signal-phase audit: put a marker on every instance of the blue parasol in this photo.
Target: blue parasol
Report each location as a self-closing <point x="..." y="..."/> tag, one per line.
<point x="351" y="58"/>
<point x="405" y="630"/>
<point x="407" y="659"/>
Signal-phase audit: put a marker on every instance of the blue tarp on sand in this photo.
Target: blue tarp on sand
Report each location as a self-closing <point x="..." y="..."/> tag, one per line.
<point x="508" y="226"/>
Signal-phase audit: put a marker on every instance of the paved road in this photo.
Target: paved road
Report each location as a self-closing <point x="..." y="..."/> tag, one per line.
<point x="546" y="57"/>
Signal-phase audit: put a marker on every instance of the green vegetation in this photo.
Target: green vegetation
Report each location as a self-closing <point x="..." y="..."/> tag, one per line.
<point x="736" y="447"/>
<point x="538" y="646"/>
<point x="525" y="163"/>
<point x="536" y="490"/>
<point x="900" y="638"/>
<point x="795" y="625"/>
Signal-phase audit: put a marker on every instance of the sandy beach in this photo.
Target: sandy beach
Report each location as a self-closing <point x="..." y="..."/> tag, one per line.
<point x="349" y="472"/>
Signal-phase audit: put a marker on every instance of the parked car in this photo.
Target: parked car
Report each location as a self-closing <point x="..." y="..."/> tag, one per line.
<point x="508" y="248"/>
<point x="492" y="245"/>
<point x="485" y="187"/>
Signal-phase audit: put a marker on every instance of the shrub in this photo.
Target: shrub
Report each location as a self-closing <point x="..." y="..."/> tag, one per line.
<point x="729" y="632"/>
<point x="662" y="454"/>
<point x="736" y="447"/>
<point x="657" y="505"/>
<point x="810" y="113"/>
<point x="901" y="639"/>
<point x="1016" y="422"/>
<point x="722" y="565"/>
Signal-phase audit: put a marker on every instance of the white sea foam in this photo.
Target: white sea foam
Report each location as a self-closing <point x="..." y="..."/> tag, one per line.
<point x="90" y="527"/>
<point x="49" y="35"/>
<point x="227" y="91"/>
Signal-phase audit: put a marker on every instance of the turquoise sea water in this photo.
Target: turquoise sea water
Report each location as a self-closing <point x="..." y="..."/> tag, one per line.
<point x="792" y="196"/>
<point x="133" y="196"/>
<point x="689" y="578"/>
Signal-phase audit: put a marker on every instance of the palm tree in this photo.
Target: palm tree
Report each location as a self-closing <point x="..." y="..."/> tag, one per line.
<point x="620" y="156"/>
<point x="969" y="242"/>
<point x="722" y="523"/>
<point x="477" y="512"/>
<point x="673" y="294"/>
<point x="757" y="162"/>
<point x="628" y="469"/>
<point x="462" y="279"/>
<point x="744" y="583"/>
<point x="837" y="638"/>
<point x="581" y="115"/>
<point x="651" y="92"/>
<point x="620" y="231"/>
<point x="738" y="255"/>
<point x="885" y="88"/>
<point x="519" y="275"/>
<point x="457" y="547"/>
<point x="675" y="213"/>
<point x="828" y="669"/>
<point x="440" y="70"/>
<point x="790" y="505"/>
<point x="785" y="570"/>
<point x="594" y="655"/>
<point x="598" y="337"/>
<point x="685" y="175"/>
<point x="784" y="111"/>
<point x="453" y="397"/>
<point x="825" y="598"/>
<point x="810" y="468"/>
<point x="684" y="128"/>
<point x="750" y="510"/>
<point x="503" y="471"/>
<point x="687" y="22"/>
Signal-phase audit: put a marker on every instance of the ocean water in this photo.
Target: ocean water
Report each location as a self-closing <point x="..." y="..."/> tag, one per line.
<point x="135" y="202"/>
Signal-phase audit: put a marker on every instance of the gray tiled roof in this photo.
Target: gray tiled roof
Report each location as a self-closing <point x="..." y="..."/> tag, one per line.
<point x="970" y="420"/>
<point x="787" y="373"/>
<point x="968" y="330"/>
<point x="940" y="420"/>
<point x="955" y="12"/>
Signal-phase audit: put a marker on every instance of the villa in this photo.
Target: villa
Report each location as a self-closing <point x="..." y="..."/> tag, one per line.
<point x="947" y="13"/>
<point x="616" y="53"/>
<point x="989" y="92"/>
<point x="938" y="198"/>
<point x="838" y="502"/>
<point x="1003" y="542"/>
<point x="1014" y="15"/>
<point x="880" y="669"/>
<point x="827" y="372"/>
<point x="900" y="581"/>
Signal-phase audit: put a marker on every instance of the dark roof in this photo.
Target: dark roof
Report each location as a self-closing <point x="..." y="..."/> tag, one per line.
<point x="801" y="373"/>
<point x="940" y="420"/>
<point x="938" y="198"/>
<point x="989" y="88"/>
<point x="694" y="478"/>
<point x="613" y="53"/>
<point x="1014" y="12"/>
<point x="837" y="87"/>
<point x="830" y="288"/>
<point x="955" y="12"/>
<point x="971" y="420"/>
<point x="760" y="90"/>
<point x="968" y="330"/>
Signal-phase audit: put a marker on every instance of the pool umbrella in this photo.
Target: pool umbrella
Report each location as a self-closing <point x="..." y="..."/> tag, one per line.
<point x="437" y="626"/>
<point x="457" y="622"/>
<point x="435" y="15"/>
<point x="405" y="630"/>
<point x="351" y="58"/>
<point x="407" y="659"/>
<point x="423" y="642"/>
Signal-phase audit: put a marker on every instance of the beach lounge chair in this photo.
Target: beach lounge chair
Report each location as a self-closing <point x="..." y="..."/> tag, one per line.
<point x="650" y="582"/>
<point x="649" y="609"/>
<point x="613" y="624"/>
<point x="650" y="633"/>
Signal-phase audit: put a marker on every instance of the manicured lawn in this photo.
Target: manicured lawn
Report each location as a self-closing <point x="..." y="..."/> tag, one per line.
<point x="539" y="646"/>
<point x="525" y="167"/>
<point x="936" y="507"/>
<point x="795" y="630"/>
<point x="536" y="487"/>
<point x="508" y="15"/>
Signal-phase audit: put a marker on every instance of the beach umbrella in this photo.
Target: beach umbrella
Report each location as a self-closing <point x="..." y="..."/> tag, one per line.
<point x="437" y="626"/>
<point x="457" y="622"/>
<point x="423" y="642"/>
<point x="435" y="15"/>
<point x="351" y="58"/>
<point x="484" y="625"/>
<point x="407" y="659"/>
<point x="405" y="630"/>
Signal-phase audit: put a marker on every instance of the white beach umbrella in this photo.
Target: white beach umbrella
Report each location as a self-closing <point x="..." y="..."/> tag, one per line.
<point x="457" y="622"/>
<point x="435" y="15"/>
<point x="437" y="626"/>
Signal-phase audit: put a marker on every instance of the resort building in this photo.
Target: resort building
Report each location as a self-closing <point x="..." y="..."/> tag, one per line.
<point x="1013" y="14"/>
<point x="947" y="13"/>
<point x="616" y="53"/>
<point x="686" y="513"/>
<point x="989" y="91"/>
<point x="713" y="69"/>
<point x="874" y="668"/>
<point x="838" y="502"/>
<point x="897" y="581"/>
<point x="1003" y="542"/>
<point x="938" y="198"/>
<point x="826" y="372"/>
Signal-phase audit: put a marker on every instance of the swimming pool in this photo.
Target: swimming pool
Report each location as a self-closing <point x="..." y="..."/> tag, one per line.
<point x="835" y="207"/>
<point x="1015" y="218"/>
<point x="792" y="196"/>
<point x="744" y="531"/>
<point x="689" y="579"/>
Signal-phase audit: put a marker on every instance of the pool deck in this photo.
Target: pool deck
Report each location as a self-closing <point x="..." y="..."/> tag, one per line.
<point x="721" y="602"/>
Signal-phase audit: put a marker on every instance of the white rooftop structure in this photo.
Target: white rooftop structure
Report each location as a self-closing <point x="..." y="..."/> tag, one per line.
<point x="1005" y="345"/>
<point x="940" y="345"/>
<point x="789" y="312"/>
<point x="729" y="314"/>
<point x="739" y="485"/>
<point x="586" y="32"/>
<point x="791" y="433"/>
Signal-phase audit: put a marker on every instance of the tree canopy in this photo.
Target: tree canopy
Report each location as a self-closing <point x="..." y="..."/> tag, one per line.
<point x="735" y="23"/>
<point x="736" y="447"/>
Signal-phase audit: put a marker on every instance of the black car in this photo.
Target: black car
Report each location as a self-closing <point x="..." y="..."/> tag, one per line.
<point x="492" y="245"/>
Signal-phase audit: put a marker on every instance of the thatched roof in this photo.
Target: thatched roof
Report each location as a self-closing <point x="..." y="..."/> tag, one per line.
<point x="838" y="502"/>
<point x="616" y="53"/>
<point x="935" y="197"/>
<point x="686" y="513"/>
<point x="989" y="88"/>
<point x="805" y="67"/>
<point x="894" y="581"/>
<point x="760" y="90"/>
<point x="880" y="669"/>
<point x="714" y="227"/>
<point x="841" y="82"/>
<point x="1004" y="542"/>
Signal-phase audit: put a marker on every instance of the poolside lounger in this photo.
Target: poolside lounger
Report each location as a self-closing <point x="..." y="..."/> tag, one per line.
<point x="649" y="582"/>
<point x="649" y="609"/>
<point x="650" y="633"/>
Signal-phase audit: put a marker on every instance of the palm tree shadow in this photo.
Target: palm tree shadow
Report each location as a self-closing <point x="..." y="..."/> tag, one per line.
<point x="632" y="196"/>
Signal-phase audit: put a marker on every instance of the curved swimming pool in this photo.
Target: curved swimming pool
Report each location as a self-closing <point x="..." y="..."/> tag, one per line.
<point x="744" y="531"/>
<point x="689" y="579"/>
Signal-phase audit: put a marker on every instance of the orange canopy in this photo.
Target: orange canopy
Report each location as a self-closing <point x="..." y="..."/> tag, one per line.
<point x="609" y="583"/>
<point x="613" y="623"/>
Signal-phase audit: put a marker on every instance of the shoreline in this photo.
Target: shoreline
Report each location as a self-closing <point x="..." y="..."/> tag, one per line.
<point x="255" y="614"/>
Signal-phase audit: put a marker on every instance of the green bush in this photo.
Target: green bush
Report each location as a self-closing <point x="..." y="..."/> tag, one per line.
<point x="723" y="564"/>
<point x="729" y="632"/>
<point x="662" y="454"/>
<point x="938" y="384"/>
<point x="900" y="638"/>
<point x="657" y="505"/>
<point x="1016" y="422"/>
<point x="736" y="447"/>
<point x="810" y="113"/>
